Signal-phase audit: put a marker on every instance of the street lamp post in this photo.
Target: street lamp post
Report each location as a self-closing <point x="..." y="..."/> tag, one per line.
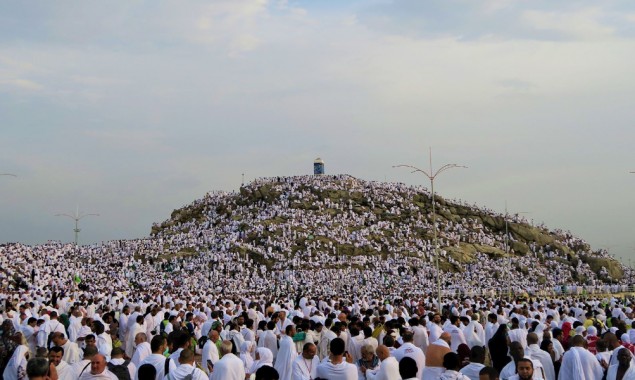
<point x="77" y="217"/>
<point x="432" y="174"/>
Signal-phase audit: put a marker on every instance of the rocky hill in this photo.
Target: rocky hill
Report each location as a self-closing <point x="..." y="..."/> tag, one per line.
<point x="281" y="222"/>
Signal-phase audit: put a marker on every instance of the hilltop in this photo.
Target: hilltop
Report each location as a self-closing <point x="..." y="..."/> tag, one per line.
<point x="343" y="218"/>
<point x="324" y="236"/>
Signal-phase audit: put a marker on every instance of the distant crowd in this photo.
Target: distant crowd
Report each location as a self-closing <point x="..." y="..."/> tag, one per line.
<point x="119" y="336"/>
<point x="326" y="255"/>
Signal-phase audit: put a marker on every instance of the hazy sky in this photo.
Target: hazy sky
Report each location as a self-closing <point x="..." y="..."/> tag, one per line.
<point x="134" y="108"/>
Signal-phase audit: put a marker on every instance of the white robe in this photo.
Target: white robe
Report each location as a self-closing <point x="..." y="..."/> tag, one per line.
<point x="17" y="363"/>
<point x="341" y="371"/>
<point x="268" y="339"/>
<point x="471" y="336"/>
<point x="140" y="353"/>
<point x="71" y="352"/>
<point x="65" y="371"/>
<point x="579" y="364"/>
<point x="158" y="361"/>
<point x="471" y="370"/>
<point x="186" y="369"/>
<point x="510" y="369"/>
<point x="285" y="358"/>
<point x="210" y="352"/>
<point x="134" y="330"/>
<point x="229" y="367"/>
<point x="304" y="369"/>
<point x="83" y="365"/>
<point x="535" y="353"/>
<point x="457" y="337"/>
<point x="410" y="350"/>
<point x="325" y="342"/>
<point x="628" y="375"/>
<point x="388" y="370"/>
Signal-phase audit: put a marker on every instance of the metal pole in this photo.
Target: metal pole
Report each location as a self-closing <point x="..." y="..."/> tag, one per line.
<point x="77" y="217"/>
<point x="436" y="245"/>
<point x="431" y="176"/>
<point x="76" y="231"/>
<point x="509" y="258"/>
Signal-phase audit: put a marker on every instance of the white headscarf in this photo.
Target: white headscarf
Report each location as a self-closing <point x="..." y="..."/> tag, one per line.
<point x="266" y="358"/>
<point x="17" y="360"/>
<point x="245" y="354"/>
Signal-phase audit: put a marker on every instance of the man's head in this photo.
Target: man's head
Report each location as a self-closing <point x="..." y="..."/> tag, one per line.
<point x="383" y="352"/>
<point x="525" y="369"/>
<point x="624" y="357"/>
<point x="309" y="351"/>
<point x="187" y="357"/>
<point x="407" y="336"/>
<point x="451" y="361"/>
<point x="408" y="368"/>
<point x="55" y="355"/>
<point x="337" y="347"/>
<point x="516" y="351"/>
<point x="267" y="373"/>
<point x="98" y="327"/>
<point x="477" y="355"/>
<point x="90" y="340"/>
<point x="578" y="341"/>
<point x="368" y="351"/>
<point x="158" y="344"/>
<point x="90" y="352"/>
<point x="214" y="336"/>
<point x="488" y="373"/>
<point x="611" y="340"/>
<point x="140" y="338"/>
<point x="116" y="353"/>
<point x="446" y="337"/>
<point x="37" y="368"/>
<point x="226" y="347"/>
<point x="97" y="364"/>
<point x="532" y="338"/>
<point x="290" y="331"/>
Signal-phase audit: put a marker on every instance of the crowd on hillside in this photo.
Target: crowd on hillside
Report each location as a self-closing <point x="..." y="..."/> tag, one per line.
<point x="331" y="238"/>
<point x="258" y="247"/>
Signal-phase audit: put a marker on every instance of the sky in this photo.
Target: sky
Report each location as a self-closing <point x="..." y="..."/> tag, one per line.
<point x="130" y="109"/>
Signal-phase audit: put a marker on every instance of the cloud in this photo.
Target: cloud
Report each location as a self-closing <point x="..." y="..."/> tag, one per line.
<point x="583" y="24"/>
<point x="22" y="84"/>
<point x="467" y="20"/>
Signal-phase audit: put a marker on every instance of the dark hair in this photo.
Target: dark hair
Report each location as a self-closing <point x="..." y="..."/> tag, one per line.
<point x="337" y="346"/>
<point x="491" y="372"/>
<point x="157" y="342"/>
<point x="57" y="349"/>
<point x="90" y="351"/>
<point x="267" y="373"/>
<point x="147" y="372"/>
<point x="525" y="360"/>
<point x="37" y="367"/>
<point x="99" y="327"/>
<point x="408" y="367"/>
<point x="451" y="361"/>
<point x="477" y="354"/>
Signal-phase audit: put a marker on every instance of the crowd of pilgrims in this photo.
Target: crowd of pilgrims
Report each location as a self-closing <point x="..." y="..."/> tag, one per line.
<point x="338" y="240"/>
<point x="118" y="336"/>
